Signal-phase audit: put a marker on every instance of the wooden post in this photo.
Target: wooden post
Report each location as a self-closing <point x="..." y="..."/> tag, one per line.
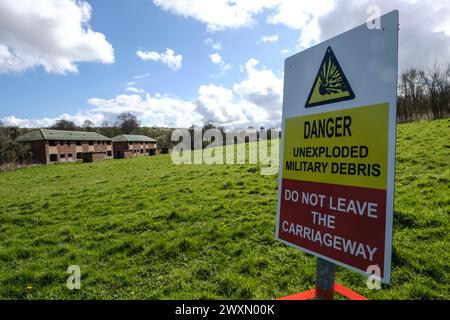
<point x="325" y="280"/>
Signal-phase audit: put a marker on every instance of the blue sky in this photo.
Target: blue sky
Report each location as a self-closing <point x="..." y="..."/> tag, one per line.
<point x="46" y="74"/>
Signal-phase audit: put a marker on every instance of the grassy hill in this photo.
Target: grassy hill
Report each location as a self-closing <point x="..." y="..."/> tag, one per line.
<point x="147" y="229"/>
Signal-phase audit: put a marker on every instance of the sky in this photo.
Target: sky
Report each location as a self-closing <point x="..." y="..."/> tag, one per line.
<point x="175" y="63"/>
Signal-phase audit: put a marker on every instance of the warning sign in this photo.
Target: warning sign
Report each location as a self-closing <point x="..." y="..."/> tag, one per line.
<point x="330" y="85"/>
<point x="336" y="191"/>
<point x="347" y="147"/>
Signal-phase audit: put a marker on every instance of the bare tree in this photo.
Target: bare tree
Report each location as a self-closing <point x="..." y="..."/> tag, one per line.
<point x="437" y="87"/>
<point x="88" y="125"/>
<point x="423" y="94"/>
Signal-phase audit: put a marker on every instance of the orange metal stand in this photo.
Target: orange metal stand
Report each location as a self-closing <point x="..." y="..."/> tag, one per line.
<point x="311" y="294"/>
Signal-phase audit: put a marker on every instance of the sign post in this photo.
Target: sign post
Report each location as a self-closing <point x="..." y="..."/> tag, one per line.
<point x="325" y="279"/>
<point x="336" y="188"/>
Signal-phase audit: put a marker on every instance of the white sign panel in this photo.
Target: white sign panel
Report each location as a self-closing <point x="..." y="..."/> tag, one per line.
<point x="336" y="190"/>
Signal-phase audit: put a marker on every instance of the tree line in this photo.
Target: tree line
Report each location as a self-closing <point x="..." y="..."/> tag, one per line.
<point x="126" y="123"/>
<point x="424" y="94"/>
<point x="13" y="153"/>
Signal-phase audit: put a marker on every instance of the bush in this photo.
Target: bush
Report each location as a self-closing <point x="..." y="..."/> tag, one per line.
<point x="13" y="152"/>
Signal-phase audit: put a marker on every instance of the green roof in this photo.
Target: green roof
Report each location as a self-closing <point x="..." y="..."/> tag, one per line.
<point x="47" y="134"/>
<point x="132" y="138"/>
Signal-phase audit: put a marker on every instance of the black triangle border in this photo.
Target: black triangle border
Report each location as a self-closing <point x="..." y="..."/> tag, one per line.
<point x="338" y="66"/>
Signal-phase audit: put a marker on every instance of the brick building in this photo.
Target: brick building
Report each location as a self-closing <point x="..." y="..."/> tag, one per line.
<point x="130" y="145"/>
<point x="52" y="146"/>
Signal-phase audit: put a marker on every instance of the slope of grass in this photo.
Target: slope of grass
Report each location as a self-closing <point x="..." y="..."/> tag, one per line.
<point x="148" y="229"/>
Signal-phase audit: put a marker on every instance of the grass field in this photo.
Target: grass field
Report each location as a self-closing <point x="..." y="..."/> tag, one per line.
<point x="147" y="229"/>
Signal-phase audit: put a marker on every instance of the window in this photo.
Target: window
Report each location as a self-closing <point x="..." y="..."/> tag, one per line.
<point x="142" y="150"/>
<point x="91" y="143"/>
<point x="62" y="156"/>
<point x="69" y="143"/>
<point x="69" y="155"/>
<point x="78" y="143"/>
<point x="131" y="143"/>
<point x="52" y="143"/>
<point x="63" y="143"/>
<point x="79" y="156"/>
<point x="109" y="153"/>
<point x="108" y="143"/>
<point x="53" y="157"/>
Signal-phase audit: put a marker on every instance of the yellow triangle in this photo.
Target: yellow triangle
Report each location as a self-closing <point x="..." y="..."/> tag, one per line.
<point x="330" y="85"/>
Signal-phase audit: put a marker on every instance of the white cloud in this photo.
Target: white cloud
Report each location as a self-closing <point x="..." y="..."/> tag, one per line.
<point x="159" y="110"/>
<point x="169" y="58"/>
<point x="215" y="58"/>
<point x="134" y="90"/>
<point x="424" y="37"/>
<point x="254" y="101"/>
<point x="269" y="39"/>
<point x="424" y="24"/>
<point x="142" y="76"/>
<point x="215" y="45"/>
<point x="218" y="60"/>
<point x="78" y="118"/>
<point x="298" y="14"/>
<point x="216" y="105"/>
<point x="217" y="14"/>
<point x="53" y="34"/>
<point x="223" y="14"/>
<point x="131" y="83"/>
<point x="262" y="89"/>
<point x="27" y="123"/>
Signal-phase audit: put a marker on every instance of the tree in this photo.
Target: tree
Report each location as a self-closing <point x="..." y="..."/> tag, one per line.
<point x="413" y="98"/>
<point x="108" y="129"/>
<point x="437" y="84"/>
<point x="105" y="124"/>
<point x="64" y="125"/>
<point x="88" y="125"/>
<point x="128" y="123"/>
<point x="424" y="94"/>
<point x="13" y="152"/>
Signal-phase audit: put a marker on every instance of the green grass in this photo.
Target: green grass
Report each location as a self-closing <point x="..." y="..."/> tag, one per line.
<point x="147" y="229"/>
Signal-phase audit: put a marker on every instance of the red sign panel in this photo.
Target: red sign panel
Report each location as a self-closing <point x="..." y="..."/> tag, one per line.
<point x="343" y="223"/>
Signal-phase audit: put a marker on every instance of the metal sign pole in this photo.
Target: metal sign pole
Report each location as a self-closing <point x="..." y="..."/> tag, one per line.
<point x="325" y="280"/>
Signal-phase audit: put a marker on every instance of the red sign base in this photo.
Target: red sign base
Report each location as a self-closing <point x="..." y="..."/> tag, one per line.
<point x="311" y="294"/>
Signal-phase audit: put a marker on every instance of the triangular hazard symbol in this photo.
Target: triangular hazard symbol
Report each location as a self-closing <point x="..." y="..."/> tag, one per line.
<point x="330" y="85"/>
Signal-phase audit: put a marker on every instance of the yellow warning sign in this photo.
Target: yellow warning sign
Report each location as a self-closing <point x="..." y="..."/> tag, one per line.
<point x="330" y="85"/>
<point x="345" y="147"/>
